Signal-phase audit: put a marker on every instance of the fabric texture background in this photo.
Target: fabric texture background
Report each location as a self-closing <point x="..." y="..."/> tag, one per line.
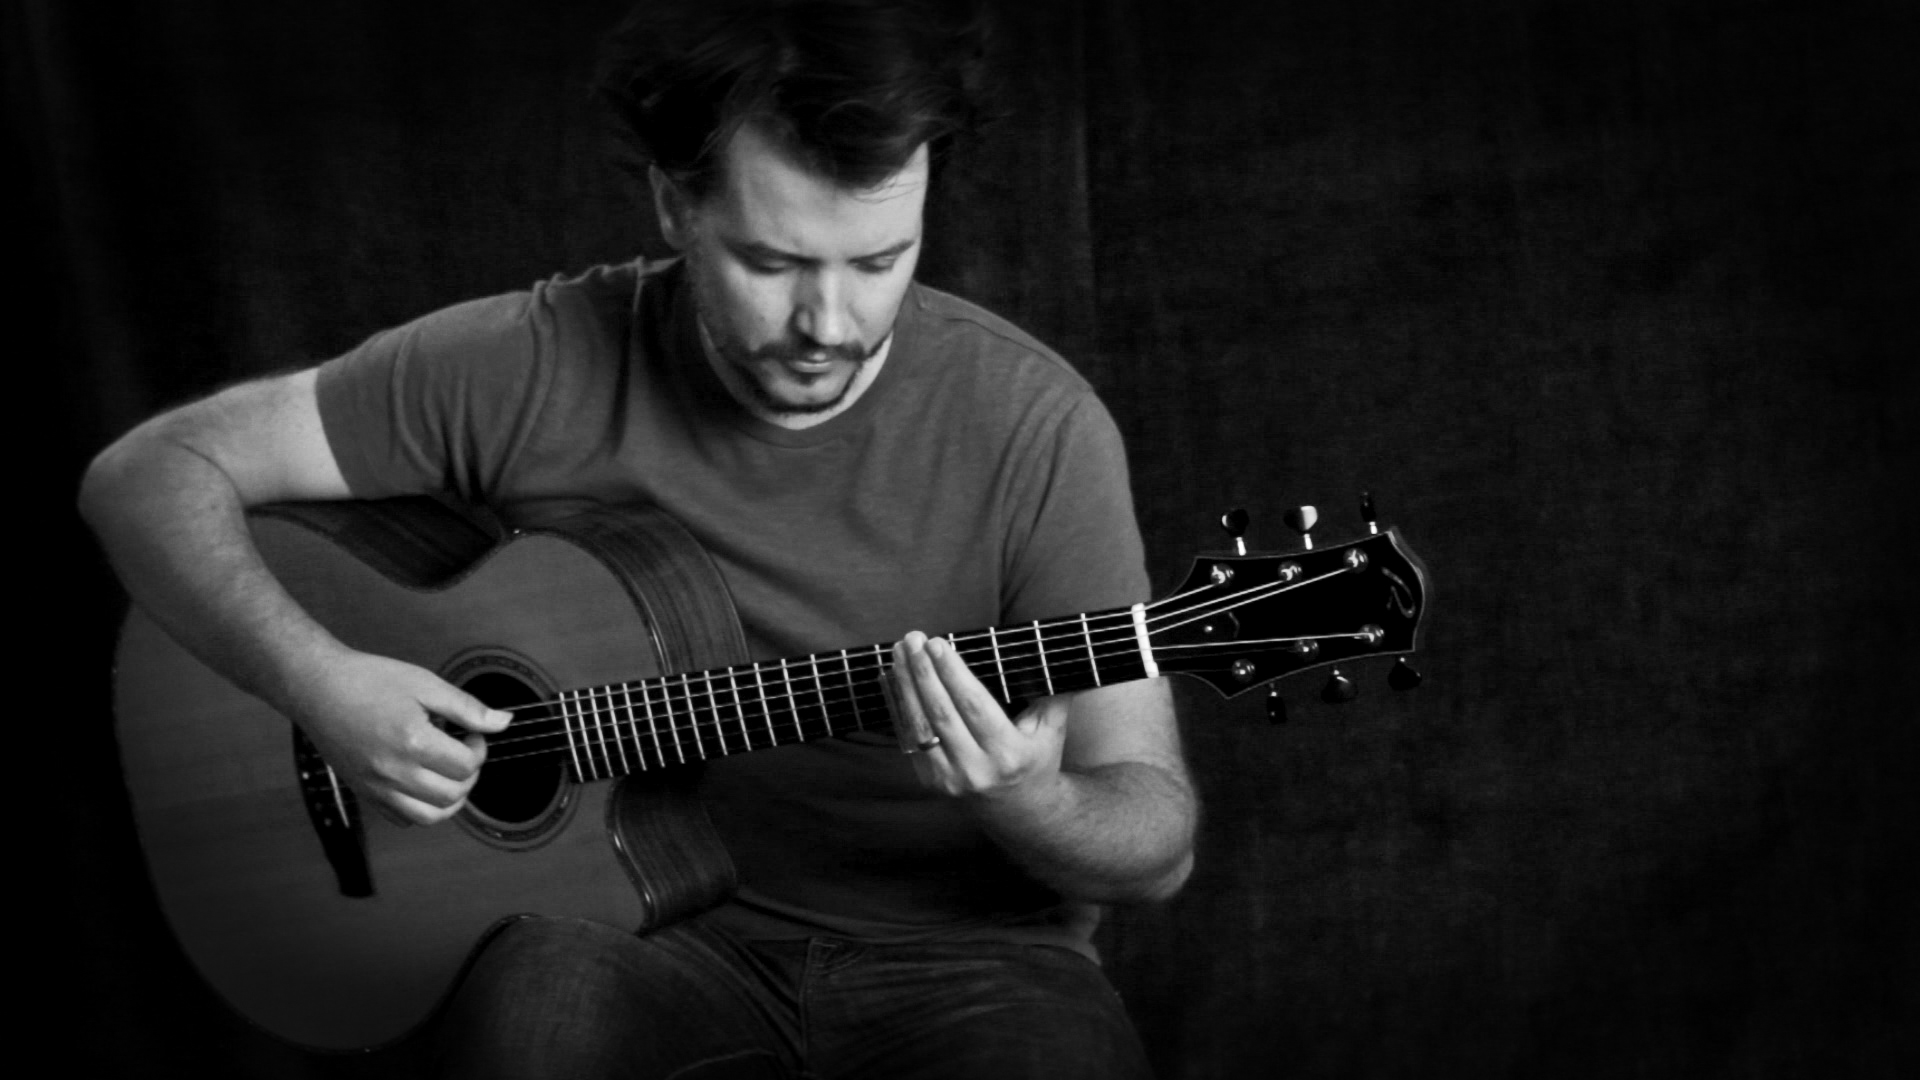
<point x="1609" y="305"/>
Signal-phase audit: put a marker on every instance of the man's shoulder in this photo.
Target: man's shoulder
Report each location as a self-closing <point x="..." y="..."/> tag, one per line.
<point x="1000" y="349"/>
<point x="604" y="293"/>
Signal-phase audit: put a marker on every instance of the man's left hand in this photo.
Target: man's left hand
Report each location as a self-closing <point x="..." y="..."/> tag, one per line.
<point x="961" y="739"/>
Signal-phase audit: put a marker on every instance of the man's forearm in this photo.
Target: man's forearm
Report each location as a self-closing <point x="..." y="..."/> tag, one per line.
<point x="174" y="527"/>
<point x="1117" y="833"/>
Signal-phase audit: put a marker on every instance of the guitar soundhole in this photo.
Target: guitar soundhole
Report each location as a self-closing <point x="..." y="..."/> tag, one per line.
<point x="517" y="798"/>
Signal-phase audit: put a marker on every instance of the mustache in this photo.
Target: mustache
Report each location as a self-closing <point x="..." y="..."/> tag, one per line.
<point x="797" y="349"/>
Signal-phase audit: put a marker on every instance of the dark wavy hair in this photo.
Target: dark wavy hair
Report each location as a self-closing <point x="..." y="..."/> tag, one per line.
<point x="850" y="87"/>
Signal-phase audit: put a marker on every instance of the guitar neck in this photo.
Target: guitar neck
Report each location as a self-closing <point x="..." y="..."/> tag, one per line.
<point x="620" y="728"/>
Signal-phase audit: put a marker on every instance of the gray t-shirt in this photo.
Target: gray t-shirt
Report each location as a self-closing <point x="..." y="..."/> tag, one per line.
<point x="977" y="482"/>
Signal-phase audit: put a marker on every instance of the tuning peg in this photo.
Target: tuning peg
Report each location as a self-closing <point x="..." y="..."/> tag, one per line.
<point x="1404" y="676"/>
<point x="1235" y="522"/>
<point x="1301" y="519"/>
<point x="1366" y="513"/>
<point x="1276" y="707"/>
<point x="1339" y="689"/>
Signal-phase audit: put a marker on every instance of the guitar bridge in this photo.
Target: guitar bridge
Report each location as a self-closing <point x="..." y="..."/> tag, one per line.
<point x="335" y="814"/>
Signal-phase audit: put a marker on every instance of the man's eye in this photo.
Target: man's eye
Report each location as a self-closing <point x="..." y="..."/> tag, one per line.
<point x="877" y="267"/>
<point x="760" y="266"/>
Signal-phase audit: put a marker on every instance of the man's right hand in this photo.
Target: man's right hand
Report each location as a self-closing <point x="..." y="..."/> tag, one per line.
<point x="374" y="720"/>
<point x="169" y="501"/>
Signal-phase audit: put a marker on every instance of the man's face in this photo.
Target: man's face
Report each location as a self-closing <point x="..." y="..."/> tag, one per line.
<point x="797" y="281"/>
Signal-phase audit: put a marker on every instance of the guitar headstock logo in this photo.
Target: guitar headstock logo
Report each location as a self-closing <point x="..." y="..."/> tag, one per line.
<point x="1399" y="595"/>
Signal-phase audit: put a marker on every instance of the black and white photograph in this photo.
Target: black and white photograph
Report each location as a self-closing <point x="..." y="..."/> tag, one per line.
<point x="888" y="539"/>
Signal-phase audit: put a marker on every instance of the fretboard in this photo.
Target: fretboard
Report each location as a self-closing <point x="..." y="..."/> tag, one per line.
<point x="620" y="728"/>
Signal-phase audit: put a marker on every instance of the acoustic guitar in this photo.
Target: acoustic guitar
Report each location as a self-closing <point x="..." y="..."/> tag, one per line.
<point x="612" y="639"/>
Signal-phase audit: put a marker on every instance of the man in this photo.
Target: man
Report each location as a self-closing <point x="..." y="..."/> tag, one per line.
<point x="865" y="458"/>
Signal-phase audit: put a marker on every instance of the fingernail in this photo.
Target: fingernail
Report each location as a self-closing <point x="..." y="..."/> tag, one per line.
<point x="936" y="648"/>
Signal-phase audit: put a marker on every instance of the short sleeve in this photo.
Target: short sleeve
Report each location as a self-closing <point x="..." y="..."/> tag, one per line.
<point x="441" y="404"/>
<point x="1074" y="543"/>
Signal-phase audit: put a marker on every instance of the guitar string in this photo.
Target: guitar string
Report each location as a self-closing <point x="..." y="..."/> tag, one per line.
<point x="588" y="708"/>
<point x="799" y="697"/>
<point x="835" y="670"/>
<point x="711" y="731"/>
<point x="1122" y="622"/>
<point x="617" y="713"/>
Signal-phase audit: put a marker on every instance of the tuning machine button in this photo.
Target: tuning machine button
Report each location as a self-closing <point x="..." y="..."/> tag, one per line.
<point x="1276" y="707"/>
<point x="1301" y="519"/>
<point x="1366" y="513"/>
<point x="1235" y="522"/>
<point x="1339" y="689"/>
<point x="1404" y="676"/>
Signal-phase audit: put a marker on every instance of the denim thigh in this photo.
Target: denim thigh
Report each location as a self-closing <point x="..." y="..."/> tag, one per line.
<point x="563" y="997"/>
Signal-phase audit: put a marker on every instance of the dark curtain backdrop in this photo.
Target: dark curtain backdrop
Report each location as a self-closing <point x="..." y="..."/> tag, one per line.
<point x="1609" y="303"/>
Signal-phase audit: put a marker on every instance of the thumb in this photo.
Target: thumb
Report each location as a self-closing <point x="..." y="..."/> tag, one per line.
<point x="452" y="703"/>
<point x="1053" y="714"/>
<point x="1049" y="712"/>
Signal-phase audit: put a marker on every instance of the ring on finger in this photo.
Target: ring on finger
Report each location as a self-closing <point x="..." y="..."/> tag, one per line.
<point x="926" y="744"/>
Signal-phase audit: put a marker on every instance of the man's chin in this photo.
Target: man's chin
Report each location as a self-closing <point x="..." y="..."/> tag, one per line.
<point x="789" y="394"/>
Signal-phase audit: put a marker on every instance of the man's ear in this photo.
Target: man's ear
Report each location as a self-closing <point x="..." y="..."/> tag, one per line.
<point x="673" y="207"/>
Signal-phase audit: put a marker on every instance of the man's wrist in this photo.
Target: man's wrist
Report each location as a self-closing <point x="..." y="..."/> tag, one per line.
<point x="1026" y="806"/>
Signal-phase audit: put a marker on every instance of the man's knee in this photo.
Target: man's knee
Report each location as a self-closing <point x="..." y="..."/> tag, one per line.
<point x="565" y="997"/>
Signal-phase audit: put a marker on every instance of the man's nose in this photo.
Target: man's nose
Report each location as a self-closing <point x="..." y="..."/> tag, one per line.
<point x="820" y="309"/>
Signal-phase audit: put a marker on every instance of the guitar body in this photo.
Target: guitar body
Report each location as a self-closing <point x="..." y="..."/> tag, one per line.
<point x="338" y="929"/>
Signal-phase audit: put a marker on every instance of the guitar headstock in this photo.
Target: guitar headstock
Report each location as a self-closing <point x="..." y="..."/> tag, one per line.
<point x="1241" y="620"/>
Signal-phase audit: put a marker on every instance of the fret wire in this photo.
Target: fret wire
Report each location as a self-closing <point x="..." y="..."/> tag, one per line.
<point x="1093" y="664"/>
<point x="846" y="664"/>
<point x="1041" y="645"/>
<point x="882" y="671"/>
<point x="766" y="708"/>
<point x="567" y="727"/>
<point x="739" y="710"/>
<point x="820" y="691"/>
<point x="719" y="721"/>
<point x="693" y="718"/>
<point x="993" y="640"/>
<point x="633" y="725"/>
<point x="786" y="679"/>
<point x="599" y="734"/>
<point x="653" y="730"/>
<point x="653" y="727"/>
<point x="673" y="729"/>
<point x="586" y="736"/>
<point x="613" y="726"/>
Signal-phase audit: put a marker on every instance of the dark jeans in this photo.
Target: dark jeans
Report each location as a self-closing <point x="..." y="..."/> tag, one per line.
<point x="565" y="998"/>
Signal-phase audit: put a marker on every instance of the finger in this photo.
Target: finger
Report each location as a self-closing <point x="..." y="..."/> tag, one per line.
<point x="453" y="758"/>
<point x="911" y="727"/>
<point x="478" y="745"/>
<point x="449" y="702"/>
<point x="974" y="707"/>
<point x="1044" y="716"/>
<point x="404" y="809"/>
<point x="943" y="716"/>
<point x="422" y="784"/>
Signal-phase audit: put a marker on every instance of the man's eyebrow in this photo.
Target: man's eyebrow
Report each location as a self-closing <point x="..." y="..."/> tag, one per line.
<point x="754" y="249"/>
